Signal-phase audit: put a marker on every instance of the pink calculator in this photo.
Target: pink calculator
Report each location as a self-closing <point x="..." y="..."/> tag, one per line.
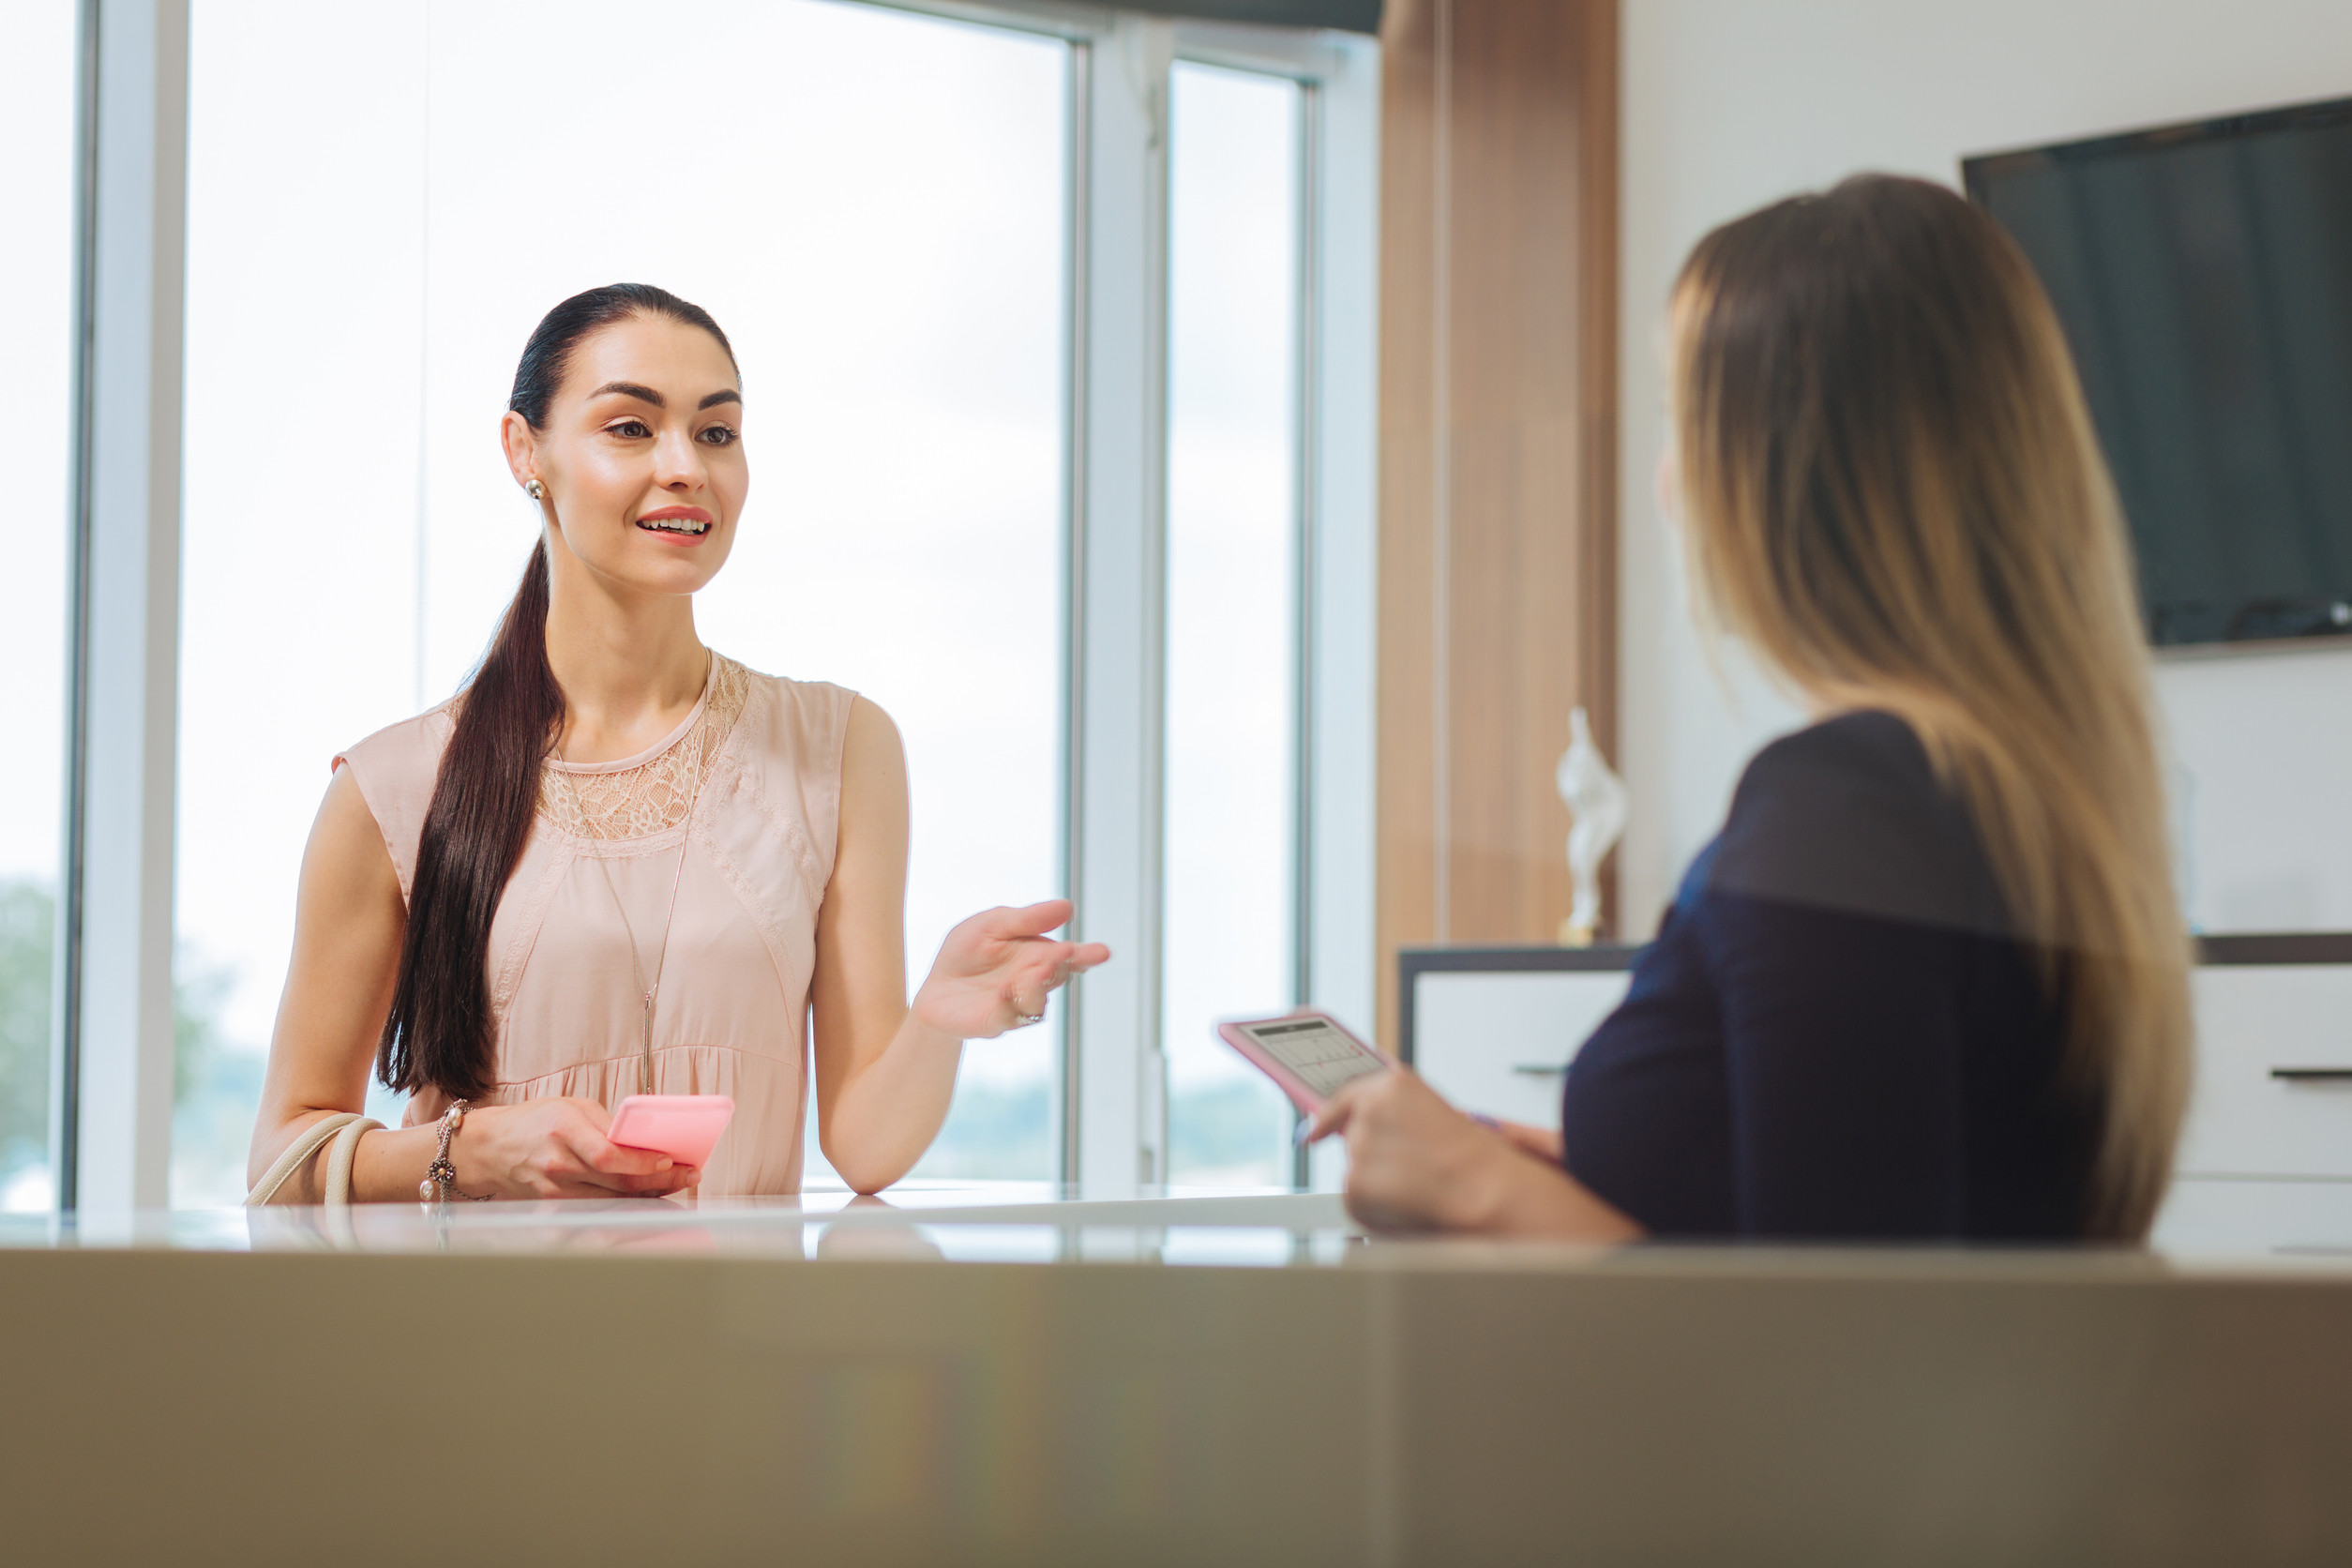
<point x="1308" y="1054"/>
<point x="686" y="1128"/>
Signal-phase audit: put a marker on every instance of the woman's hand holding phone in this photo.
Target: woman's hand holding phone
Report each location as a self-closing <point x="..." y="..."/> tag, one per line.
<point x="1541" y="1143"/>
<point x="1415" y="1163"/>
<point x="557" y="1148"/>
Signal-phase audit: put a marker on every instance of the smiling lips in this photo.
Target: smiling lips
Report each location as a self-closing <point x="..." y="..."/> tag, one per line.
<point x="684" y="523"/>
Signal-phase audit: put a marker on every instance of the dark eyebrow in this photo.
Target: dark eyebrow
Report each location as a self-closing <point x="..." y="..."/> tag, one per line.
<point x="647" y="394"/>
<point x="630" y="389"/>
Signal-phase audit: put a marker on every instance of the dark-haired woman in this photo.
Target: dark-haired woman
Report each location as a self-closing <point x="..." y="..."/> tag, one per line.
<point x="1930" y="981"/>
<point x="618" y="862"/>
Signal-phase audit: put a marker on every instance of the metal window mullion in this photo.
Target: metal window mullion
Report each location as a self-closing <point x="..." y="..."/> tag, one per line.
<point x="1071" y="1063"/>
<point x="1339" y="412"/>
<point x="114" y="1038"/>
<point x="1305" y="458"/>
<point x="1118" y="1109"/>
<point x="1156" y="58"/>
<point x="64" y="1071"/>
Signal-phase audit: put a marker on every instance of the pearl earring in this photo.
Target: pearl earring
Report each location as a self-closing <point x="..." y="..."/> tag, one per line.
<point x="536" y="491"/>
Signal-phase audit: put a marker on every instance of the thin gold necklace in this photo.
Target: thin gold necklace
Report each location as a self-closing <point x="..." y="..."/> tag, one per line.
<point x="637" y="972"/>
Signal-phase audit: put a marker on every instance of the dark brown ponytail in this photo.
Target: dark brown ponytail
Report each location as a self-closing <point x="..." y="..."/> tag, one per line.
<point x="438" y="1034"/>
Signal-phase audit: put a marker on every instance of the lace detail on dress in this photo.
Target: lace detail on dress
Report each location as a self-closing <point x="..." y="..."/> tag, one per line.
<point x="656" y="794"/>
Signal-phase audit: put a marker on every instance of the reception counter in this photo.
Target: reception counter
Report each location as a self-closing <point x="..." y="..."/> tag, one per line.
<point x="1020" y="1378"/>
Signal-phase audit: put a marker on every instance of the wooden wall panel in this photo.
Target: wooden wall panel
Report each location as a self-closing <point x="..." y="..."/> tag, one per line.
<point x="1498" y="456"/>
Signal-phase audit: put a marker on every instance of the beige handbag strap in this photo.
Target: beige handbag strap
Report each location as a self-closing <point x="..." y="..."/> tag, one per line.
<point x="339" y="1157"/>
<point x="346" y="1127"/>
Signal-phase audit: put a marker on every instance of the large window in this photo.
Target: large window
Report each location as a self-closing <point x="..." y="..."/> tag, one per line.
<point x="1230" y="883"/>
<point x="1056" y="330"/>
<point x="35" y="405"/>
<point x="870" y="203"/>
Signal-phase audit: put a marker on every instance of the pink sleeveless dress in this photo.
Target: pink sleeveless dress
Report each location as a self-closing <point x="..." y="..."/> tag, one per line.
<point x="757" y="765"/>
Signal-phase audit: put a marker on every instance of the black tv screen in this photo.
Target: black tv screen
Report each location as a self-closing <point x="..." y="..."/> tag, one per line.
<point x="2203" y="274"/>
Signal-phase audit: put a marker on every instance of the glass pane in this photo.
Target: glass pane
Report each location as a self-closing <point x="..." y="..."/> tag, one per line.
<point x="1232" y="625"/>
<point x="870" y="203"/>
<point x="300" y="472"/>
<point x="35" y="409"/>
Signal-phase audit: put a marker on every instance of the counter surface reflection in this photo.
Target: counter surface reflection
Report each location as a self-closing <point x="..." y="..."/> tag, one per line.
<point x="1006" y="1222"/>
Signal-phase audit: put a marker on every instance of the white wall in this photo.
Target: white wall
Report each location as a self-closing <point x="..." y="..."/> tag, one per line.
<point x="1730" y="103"/>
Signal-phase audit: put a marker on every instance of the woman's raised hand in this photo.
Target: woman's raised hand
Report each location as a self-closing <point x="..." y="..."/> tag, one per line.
<point x="995" y="971"/>
<point x="556" y="1148"/>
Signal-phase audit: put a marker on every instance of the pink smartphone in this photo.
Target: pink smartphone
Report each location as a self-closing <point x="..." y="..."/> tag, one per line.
<point x="686" y="1128"/>
<point x="1308" y="1054"/>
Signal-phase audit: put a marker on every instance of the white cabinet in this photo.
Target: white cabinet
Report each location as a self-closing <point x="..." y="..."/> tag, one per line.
<point x="2208" y="1216"/>
<point x="1497" y="1039"/>
<point x="2273" y="1093"/>
<point x="2265" y="1166"/>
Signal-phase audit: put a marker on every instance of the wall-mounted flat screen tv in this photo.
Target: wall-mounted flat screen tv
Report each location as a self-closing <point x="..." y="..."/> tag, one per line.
<point x="2203" y="274"/>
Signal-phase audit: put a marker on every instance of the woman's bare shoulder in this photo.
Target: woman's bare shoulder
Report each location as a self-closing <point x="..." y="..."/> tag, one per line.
<point x="348" y="859"/>
<point x="873" y="756"/>
<point x="392" y="774"/>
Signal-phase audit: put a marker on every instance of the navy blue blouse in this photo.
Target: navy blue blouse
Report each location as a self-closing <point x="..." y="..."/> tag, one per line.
<point x="1837" y="1033"/>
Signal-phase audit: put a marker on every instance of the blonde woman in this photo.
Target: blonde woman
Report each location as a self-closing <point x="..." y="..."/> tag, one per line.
<point x="1930" y="980"/>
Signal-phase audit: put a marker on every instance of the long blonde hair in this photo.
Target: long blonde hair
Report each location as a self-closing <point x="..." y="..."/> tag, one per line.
<point x="1892" y="490"/>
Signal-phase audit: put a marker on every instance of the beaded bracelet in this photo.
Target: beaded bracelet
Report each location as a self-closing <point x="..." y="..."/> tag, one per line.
<point x="441" y="1177"/>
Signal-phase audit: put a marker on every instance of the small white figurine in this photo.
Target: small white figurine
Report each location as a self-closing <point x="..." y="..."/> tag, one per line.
<point x="1596" y="801"/>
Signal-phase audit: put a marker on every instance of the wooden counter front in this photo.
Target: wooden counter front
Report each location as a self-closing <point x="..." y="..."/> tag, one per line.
<point x="677" y="1395"/>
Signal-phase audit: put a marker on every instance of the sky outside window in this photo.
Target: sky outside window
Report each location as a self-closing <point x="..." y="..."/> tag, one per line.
<point x="36" y="406"/>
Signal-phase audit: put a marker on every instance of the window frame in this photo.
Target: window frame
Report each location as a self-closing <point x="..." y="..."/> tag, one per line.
<point x="113" y="1056"/>
<point x="1335" y="424"/>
